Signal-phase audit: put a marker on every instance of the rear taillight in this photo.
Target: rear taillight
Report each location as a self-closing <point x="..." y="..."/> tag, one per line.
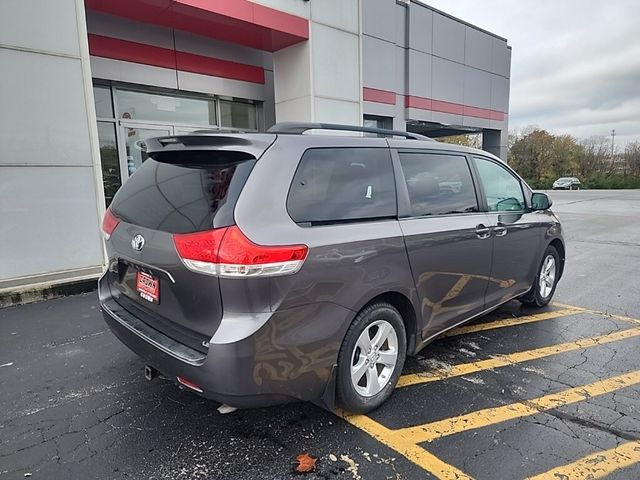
<point x="227" y="252"/>
<point x="109" y="223"/>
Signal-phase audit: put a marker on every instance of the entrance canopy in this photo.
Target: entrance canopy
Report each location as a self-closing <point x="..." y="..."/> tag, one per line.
<point x="238" y="21"/>
<point x="435" y="130"/>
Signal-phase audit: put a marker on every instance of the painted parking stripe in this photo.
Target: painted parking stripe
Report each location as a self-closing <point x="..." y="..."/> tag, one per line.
<point x="491" y="416"/>
<point x="598" y="312"/>
<point x="510" y="322"/>
<point x="513" y="358"/>
<point x="408" y="449"/>
<point x="597" y="465"/>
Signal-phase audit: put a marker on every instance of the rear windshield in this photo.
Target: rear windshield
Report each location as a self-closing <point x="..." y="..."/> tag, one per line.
<point x="182" y="198"/>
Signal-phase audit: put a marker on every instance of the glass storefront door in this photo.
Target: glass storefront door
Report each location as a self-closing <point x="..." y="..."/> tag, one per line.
<point x="127" y="115"/>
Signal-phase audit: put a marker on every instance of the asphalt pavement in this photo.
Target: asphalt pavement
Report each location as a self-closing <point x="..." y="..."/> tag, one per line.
<point x="549" y="393"/>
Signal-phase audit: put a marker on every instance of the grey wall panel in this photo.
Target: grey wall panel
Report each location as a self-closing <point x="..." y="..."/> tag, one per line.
<point x="476" y="122"/>
<point x="40" y="25"/>
<point x="401" y="70"/>
<point x="448" y="80"/>
<point x="44" y="119"/>
<point x="380" y="109"/>
<point x="187" y="42"/>
<point x="478" y="49"/>
<point x="419" y="114"/>
<point x="375" y="19"/>
<point x="420" y="28"/>
<point x="420" y="68"/>
<point x="120" y="71"/>
<point x="448" y="38"/>
<point x="501" y="58"/>
<point x="446" y="118"/>
<point x="399" y="19"/>
<point x="341" y="14"/>
<point x="499" y="93"/>
<point x="335" y="64"/>
<point x="49" y="220"/>
<point x="400" y="115"/>
<point x="110" y="26"/>
<point x="378" y="63"/>
<point x="477" y="88"/>
<point x="268" y="108"/>
<point x="194" y="82"/>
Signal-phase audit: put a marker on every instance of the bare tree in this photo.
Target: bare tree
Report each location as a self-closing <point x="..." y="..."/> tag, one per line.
<point x="632" y="158"/>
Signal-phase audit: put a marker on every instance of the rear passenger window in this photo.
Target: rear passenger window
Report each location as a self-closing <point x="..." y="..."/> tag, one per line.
<point x="343" y="185"/>
<point x="438" y="184"/>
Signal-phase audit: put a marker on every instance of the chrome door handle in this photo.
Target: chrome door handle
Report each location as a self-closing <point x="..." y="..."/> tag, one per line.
<point x="482" y="232"/>
<point x="500" y="230"/>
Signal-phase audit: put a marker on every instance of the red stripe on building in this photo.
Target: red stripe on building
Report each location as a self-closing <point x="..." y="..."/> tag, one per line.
<point x="417" y="102"/>
<point x="378" y="96"/>
<point x="189" y="62"/>
<point x="238" y="21"/>
<point x="117" y="49"/>
<point x="441" y="106"/>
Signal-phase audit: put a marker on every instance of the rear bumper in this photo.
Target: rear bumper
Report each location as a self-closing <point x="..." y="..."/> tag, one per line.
<point x="288" y="357"/>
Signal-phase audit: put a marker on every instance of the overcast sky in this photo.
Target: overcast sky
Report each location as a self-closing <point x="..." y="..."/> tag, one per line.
<point x="576" y="63"/>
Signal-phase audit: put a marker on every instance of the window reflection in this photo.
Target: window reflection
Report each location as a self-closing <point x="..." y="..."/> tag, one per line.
<point x="165" y="108"/>
<point x="109" y="159"/>
<point x="238" y="115"/>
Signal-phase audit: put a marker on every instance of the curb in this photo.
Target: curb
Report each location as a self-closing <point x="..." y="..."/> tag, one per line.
<point x="38" y="294"/>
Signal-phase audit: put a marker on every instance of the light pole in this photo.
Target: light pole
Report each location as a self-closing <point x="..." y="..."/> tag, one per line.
<point x="613" y="136"/>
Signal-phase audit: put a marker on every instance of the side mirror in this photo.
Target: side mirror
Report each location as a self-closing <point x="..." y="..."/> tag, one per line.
<point x="540" y="201"/>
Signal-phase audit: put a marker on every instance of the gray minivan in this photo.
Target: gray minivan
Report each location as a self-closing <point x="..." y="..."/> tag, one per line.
<point x="257" y="269"/>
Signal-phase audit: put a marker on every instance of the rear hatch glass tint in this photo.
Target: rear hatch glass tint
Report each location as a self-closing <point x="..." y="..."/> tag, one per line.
<point x="184" y="192"/>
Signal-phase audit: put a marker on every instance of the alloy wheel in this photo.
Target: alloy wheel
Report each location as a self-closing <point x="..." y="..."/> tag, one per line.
<point x="547" y="276"/>
<point x="374" y="358"/>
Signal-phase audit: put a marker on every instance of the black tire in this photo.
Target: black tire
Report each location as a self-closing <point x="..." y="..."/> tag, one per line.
<point x="347" y="396"/>
<point x="534" y="297"/>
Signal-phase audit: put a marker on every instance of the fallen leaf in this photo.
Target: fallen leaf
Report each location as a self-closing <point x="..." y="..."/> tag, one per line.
<point x="306" y="463"/>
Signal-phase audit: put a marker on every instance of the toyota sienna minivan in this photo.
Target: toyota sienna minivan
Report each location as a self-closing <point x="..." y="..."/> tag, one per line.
<point x="262" y="268"/>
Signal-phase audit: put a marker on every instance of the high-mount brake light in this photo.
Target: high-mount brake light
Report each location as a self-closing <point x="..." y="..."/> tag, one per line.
<point x="227" y="252"/>
<point x="109" y="223"/>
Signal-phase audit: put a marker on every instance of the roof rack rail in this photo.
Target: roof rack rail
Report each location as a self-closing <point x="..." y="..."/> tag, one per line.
<point x="301" y="127"/>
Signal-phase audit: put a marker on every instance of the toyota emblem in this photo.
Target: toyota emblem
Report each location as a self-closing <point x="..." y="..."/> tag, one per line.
<point x="137" y="242"/>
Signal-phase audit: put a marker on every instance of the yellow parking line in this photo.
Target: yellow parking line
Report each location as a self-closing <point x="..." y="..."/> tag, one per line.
<point x="509" y="322"/>
<point x="597" y="465"/>
<point x="411" y="451"/>
<point x="513" y="358"/>
<point x="492" y="416"/>
<point x="598" y="312"/>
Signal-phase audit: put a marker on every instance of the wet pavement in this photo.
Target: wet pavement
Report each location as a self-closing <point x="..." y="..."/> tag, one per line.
<point x="552" y="393"/>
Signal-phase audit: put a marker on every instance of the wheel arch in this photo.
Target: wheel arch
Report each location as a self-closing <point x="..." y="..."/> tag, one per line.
<point x="407" y="311"/>
<point x="559" y="246"/>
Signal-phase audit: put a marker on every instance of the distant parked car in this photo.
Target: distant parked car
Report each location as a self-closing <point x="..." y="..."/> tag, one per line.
<point x="566" y="183"/>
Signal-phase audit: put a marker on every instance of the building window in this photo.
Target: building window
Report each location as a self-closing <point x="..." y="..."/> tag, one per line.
<point x="109" y="159"/>
<point x="373" y="121"/>
<point x="127" y="116"/>
<point x="238" y="115"/>
<point x="154" y="107"/>
<point x="104" y="103"/>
